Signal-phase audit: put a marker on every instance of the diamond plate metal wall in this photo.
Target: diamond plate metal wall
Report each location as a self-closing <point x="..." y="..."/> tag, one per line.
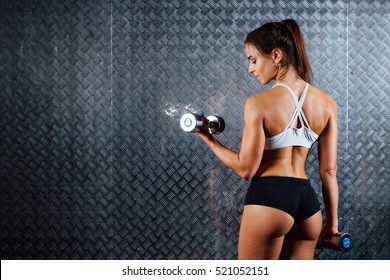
<point x="55" y="147"/>
<point x="93" y="164"/>
<point x="366" y="158"/>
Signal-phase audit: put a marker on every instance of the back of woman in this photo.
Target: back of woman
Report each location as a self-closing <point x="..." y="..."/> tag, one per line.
<point x="279" y="107"/>
<point x="282" y="215"/>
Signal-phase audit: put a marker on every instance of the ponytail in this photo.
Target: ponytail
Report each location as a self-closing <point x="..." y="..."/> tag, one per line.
<point x="302" y="63"/>
<point x="287" y="36"/>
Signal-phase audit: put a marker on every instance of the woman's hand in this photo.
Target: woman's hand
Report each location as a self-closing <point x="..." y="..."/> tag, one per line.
<point x="204" y="132"/>
<point x="328" y="231"/>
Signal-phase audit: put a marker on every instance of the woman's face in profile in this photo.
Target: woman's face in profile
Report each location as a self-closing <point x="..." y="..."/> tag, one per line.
<point x="263" y="68"/>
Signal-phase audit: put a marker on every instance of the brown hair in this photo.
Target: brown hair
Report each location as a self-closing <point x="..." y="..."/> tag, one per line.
<point x="287" y="36"/>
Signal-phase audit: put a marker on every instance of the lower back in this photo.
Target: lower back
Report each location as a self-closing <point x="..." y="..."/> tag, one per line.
<point x="286" y="162"/>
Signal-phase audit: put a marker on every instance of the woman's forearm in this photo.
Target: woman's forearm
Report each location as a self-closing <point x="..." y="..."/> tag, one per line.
<point x="330" y="193"/>
<point x="228" y="157"/>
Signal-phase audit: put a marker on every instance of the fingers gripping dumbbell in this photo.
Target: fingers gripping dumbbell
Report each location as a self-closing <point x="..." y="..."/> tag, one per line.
<point x="192" y="122"/>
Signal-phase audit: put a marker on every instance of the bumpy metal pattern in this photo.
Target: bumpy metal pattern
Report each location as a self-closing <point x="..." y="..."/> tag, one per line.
<point x="93" y="163"/>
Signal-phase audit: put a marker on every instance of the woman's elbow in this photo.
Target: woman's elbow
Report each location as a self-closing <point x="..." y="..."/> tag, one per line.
<point x="329" y="172"/>
<point x="247" y="174"/>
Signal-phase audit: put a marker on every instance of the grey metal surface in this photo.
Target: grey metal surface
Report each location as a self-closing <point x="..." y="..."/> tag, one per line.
<point x="93" y="163"/>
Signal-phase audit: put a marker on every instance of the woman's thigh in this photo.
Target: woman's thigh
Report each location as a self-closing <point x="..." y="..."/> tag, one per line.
<point x="262" y="232"/>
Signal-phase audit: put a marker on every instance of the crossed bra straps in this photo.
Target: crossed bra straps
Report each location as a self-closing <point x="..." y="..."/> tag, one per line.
<point x="292" y="136"/>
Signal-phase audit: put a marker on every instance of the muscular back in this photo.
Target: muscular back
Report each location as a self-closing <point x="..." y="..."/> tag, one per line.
<point x="278" y="107"/>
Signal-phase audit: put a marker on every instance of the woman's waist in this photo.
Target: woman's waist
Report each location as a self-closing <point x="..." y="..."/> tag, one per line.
<point x="281" y="168"/>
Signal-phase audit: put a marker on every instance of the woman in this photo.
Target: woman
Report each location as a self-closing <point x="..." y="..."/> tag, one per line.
<point x="282" y="217"/>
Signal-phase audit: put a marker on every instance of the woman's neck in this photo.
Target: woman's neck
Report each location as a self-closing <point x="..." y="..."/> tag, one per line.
<point x="290" y="78"/>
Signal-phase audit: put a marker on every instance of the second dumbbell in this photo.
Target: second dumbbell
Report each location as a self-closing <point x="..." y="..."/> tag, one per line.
<point x="339" y="241"/>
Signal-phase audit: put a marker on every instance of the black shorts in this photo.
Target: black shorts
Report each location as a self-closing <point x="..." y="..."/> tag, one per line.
<point x="294" y="196"/>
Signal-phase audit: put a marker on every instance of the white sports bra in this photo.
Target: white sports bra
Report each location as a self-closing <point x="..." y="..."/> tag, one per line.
<point x="292" y="136"/>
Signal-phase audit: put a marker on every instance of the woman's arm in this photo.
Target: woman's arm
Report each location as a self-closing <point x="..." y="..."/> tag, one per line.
<point x="327" y="153"/>
<point x="246" y="162"/>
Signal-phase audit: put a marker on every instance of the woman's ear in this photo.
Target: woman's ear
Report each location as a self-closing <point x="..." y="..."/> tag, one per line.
<point x="277" y="55"/>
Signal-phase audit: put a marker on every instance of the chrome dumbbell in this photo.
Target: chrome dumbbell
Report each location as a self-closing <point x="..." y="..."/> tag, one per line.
<point x="192" y="122"/>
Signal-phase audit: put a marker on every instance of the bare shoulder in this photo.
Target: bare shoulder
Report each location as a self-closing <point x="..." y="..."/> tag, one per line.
<point x="325" y="99"/>
<point x="257" y="105"/>
<point x="259" y="100"/>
